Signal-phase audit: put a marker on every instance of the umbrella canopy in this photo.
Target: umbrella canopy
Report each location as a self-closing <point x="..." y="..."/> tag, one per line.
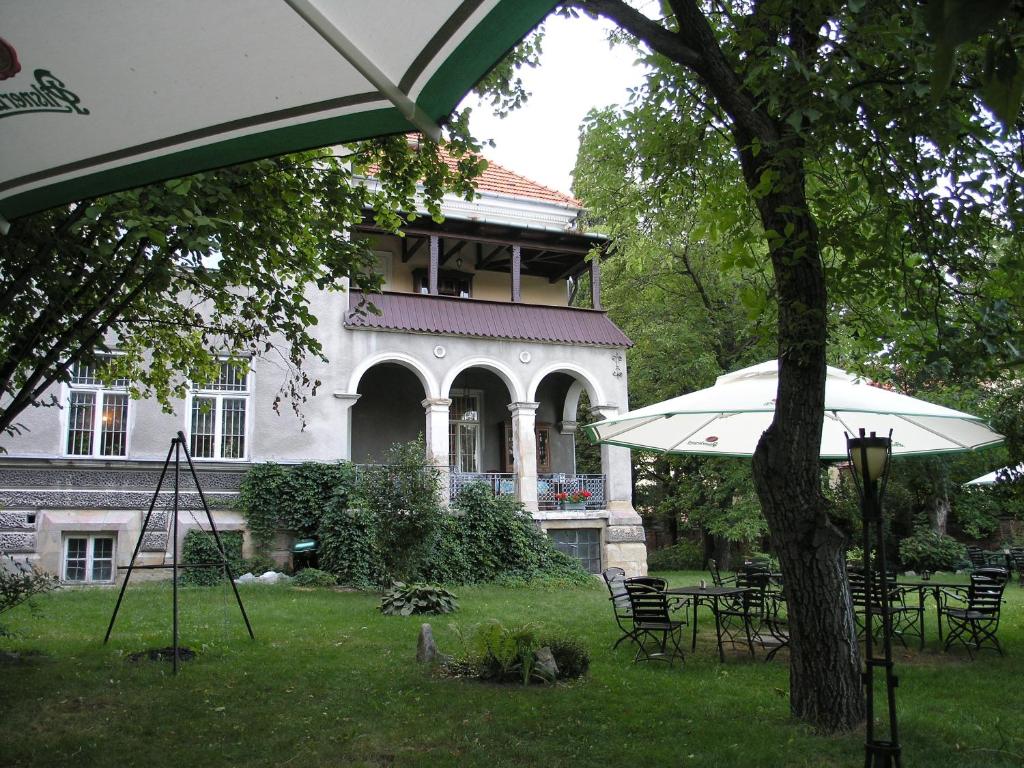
<point x="993" y="477"/>
<point x="105" y="95"/>
<point x="729" y="418"/>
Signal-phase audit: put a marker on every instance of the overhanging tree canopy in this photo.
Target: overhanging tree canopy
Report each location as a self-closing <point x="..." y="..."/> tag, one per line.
<point x="805" y="92"/>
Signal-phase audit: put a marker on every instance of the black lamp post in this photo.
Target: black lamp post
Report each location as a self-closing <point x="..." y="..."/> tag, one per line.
<point x="870" y="458"/>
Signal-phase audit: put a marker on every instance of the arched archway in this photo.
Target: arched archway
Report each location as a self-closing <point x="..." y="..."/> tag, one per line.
<point x="427" y="379"/>
<point x="479" y="418"/>
<point x="499" y="369"/>
<point x="580" y="374"/>
<point x="389" y="410"/>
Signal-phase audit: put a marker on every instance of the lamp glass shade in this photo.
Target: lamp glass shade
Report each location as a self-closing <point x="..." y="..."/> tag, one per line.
<point x="876" y="450"/>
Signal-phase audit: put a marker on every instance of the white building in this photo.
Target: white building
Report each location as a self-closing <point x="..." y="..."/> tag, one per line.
<point x="475" y="347"/>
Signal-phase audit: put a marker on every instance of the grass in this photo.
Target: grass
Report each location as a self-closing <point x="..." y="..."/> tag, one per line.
<point x="329" y="681"/>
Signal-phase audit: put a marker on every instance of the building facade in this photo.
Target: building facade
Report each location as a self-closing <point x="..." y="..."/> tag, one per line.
<point x="472" y="344"/>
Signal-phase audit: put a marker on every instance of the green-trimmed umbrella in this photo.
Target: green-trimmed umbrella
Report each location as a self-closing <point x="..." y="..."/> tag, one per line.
<point x="729" y="418"/>
<point x="103" y="95"/>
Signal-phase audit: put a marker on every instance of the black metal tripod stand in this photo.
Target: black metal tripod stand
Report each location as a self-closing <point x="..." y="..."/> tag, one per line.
<point x="178" y="447"/>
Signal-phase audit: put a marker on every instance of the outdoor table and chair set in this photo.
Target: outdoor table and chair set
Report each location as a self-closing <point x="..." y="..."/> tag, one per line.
<point x="749" y="609"/>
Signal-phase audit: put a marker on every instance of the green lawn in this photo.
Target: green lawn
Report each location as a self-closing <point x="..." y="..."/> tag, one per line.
<point x="329" y="681"/>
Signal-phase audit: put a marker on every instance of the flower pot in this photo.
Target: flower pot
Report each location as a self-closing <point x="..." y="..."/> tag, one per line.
<point x="576" y="505"/>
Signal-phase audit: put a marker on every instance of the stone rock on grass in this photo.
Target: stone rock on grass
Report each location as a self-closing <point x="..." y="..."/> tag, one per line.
<point x="273" y="577"/>
<point x="426" y="648"/>
<point x="546" y="664"/>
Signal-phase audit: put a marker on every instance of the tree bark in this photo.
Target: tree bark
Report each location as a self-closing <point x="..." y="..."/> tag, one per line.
<point x="825" y="681"/>
<point x="825" y="687"/>
<point x="938" y="513"/>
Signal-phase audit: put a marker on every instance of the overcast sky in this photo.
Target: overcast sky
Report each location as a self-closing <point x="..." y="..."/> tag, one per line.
<point x="577" y="73"/>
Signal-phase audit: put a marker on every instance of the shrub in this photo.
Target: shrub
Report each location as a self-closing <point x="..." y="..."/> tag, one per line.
<point x="347" y="545"/>
<point x="18" y="586"/>
<point x="258" y="496"/>
<point x="570" y="654"/>
<point x="408" y="599"/>
<point x="926" y="550"/>
<point x="504" y="654"/>
<point x="259" y="564"/>
<point x="401" y="498"/>
<point x="490" y="538"/>
<point x="557" y="569"/>
<point x="201" y="547"/>
<point x="509" y="654"/>
<point x="313" y="577"/>
<point x="977" y="512"/>
<point x="273" y="497"/>
<point x="388" y="524"/>
<point x="681" y="556"/>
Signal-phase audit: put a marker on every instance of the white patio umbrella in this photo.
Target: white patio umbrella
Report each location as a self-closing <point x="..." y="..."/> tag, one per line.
<point x="993" y="477"/>
<point x="103" y="95"/>
<point x="729" y="418"/>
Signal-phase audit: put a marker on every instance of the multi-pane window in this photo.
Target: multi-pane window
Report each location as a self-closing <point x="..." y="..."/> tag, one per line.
<point x="448" y="283"/>
<point x="464" y="436"/>
<point x="218" y="415"/>
<point x="97" y="414"/>
<point x="89" y="558"/>
<point x="583" y="544"/>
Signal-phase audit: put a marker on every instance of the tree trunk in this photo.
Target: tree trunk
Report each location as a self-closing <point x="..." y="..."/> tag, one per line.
<point x="825" y="681"/>
<point x="938" y="513"/>
<point x="825" y="656"/>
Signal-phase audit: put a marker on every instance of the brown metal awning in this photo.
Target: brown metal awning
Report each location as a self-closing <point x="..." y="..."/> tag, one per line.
<point x="423" y="313"/>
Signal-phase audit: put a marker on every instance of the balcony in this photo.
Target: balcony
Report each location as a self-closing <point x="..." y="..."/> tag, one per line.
<point x="503" y="484"/>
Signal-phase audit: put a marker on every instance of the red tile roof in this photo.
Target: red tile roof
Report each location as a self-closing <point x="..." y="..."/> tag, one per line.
<point x="500" y="180"/>
<point x="419" y="313"/>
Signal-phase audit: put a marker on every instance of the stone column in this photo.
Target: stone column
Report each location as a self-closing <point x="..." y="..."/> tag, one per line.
<point x="438" y="449"/>
<point x="524" y="452"/>
<point x="624" y="538"/>
<point x="346" y="400"/>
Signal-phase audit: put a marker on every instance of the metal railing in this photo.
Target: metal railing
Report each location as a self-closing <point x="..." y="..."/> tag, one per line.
<point x="501" y="483"/>
<point x="550" y="485"/>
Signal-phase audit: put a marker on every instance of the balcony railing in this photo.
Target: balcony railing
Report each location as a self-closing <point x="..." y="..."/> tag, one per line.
<point x="503" y="484"/>
<point x="550" y="485"/>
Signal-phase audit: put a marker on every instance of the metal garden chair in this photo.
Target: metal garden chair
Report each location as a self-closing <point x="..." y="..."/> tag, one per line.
<point x="776" y="620"/>
<point x="717" y="578"/>
<point x="972" y="615"/>
<point x="977" y="556"/>
<point x="741" y="619"/>
<point x="653" y="626"/>
<point x="615" y="579"/>
<point x="1017" y="556"/>
<point x="992" y="573"/>
<point x="906" y="619"/>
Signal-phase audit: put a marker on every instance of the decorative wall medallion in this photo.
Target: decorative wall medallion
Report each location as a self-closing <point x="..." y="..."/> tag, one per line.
<point x="440" y="351"/>
<point x="617" y="359"/>
<point x="525" y="357"/>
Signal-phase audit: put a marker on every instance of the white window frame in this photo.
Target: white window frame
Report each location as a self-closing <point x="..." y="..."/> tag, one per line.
<point x="99" y="391"/>
<point x="90" y="549"/>
<point x="218" y="396"/>
<point x="479" y="423"/>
